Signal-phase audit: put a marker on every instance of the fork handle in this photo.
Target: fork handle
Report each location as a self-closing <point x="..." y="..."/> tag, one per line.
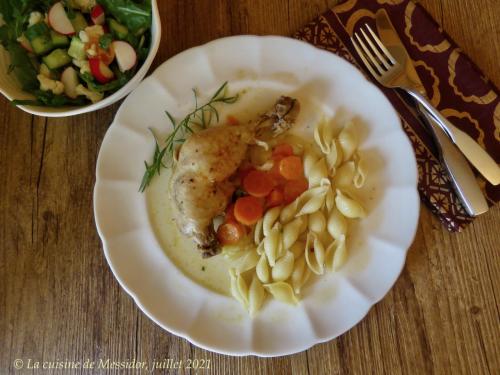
<point x="478" y="157"/>
<point x="461" y="176"/>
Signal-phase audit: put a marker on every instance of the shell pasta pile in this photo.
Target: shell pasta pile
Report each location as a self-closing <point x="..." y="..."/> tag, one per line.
<point x="309" y="236"/>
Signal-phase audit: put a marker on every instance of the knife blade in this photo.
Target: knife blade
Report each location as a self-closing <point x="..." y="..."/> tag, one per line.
<point x="461" y="176"/>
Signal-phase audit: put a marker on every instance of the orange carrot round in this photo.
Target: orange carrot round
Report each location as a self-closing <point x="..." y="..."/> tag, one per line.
<point x="283" y="150"/>
<point x="230" y="233"/>
<point x="291" y="167"/>
<point x="294" y="188"/>
<point x="258" y="183"/>
<point x="248" y="210"/>
<point x="275" y="197"/>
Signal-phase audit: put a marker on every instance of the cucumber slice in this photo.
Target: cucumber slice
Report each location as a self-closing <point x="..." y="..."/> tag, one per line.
<point x="59" y="40"/>
<point x="56" y="59"/>
<point x="118" y="29"/>
<point x="77" y="49"/>
<point x="39" y="29"/>
<point x="41" y="44"/>
<point x="78" y="21"/>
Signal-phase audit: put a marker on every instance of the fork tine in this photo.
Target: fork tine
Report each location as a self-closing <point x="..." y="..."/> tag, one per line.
<point x="375" y="49"/>
<point x="373" y="60"/>
<point x="368" y="66"/>
<point x="381" y="45"/>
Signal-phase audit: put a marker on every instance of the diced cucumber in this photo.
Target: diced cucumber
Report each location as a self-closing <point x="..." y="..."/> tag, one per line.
<point x="59" y="40"/>
<point x="42" y="44"/>
<point x="77" y="49"/>
<point x="39" y="29"/>
<point x="78" y="21"/>
<point x="118" y="29"/>
<point x="56" y="59"/>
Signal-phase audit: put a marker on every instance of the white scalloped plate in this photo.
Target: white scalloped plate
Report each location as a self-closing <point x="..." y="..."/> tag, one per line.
<point x="333" y="303"/>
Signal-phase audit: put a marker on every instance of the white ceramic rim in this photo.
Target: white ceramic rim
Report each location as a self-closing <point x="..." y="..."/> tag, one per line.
<point x="412" y="198"/>
<point x="125" y="90"/>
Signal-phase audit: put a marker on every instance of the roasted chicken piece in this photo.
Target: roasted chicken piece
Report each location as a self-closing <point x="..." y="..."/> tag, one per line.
<point x="200" y="184"/>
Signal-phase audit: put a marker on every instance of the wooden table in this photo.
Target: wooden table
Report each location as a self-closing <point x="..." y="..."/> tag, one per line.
<point x="60" y="301"/>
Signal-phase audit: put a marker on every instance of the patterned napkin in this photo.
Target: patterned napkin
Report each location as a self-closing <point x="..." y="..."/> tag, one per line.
<point x="453" y="83"/>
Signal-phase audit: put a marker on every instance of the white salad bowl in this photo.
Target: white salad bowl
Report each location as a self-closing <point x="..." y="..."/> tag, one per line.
<point x="266" y="66"/>
<point x="9" y="86"/>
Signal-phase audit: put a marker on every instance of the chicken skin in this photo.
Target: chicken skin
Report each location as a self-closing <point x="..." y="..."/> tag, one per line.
<point x="200" y="184"/>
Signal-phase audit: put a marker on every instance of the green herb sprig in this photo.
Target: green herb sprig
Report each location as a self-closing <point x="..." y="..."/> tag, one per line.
<point x="200" y="118"/>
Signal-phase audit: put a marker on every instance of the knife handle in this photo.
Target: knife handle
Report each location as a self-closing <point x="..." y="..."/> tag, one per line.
<point x="461" y="176"/>
<point x="476" y="155"/>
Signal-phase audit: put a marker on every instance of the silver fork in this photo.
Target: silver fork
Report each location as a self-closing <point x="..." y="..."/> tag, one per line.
<point x="391" y="72"/>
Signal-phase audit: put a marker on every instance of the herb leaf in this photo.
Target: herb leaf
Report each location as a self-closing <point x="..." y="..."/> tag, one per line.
<point x="201" y="117"/>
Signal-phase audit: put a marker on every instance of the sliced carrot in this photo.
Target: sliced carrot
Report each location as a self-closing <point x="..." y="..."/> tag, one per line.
<point x="294" y="188"/>
<point x="291" y="167"/>
<point x="248" y="210"/>
<point x="229" y="214"/>
<point x="275" y="171"/>
<point x="258" y="183"/>
<point x="230" y="233"/>
<point x="245" y="170"/>
<point x="275" y="197"/>
<point x="231" y="120"/>
<point x="283" y="149"/>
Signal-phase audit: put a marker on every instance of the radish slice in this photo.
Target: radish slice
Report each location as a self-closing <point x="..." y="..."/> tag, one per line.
<point x="100" y="71"/>
<point x="97" y="15"/>
<point x="59" y="21"/>
<point x="125" y="55"/>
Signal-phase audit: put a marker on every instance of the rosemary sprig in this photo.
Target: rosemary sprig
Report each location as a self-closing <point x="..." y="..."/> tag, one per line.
<point x="200" y="118"/>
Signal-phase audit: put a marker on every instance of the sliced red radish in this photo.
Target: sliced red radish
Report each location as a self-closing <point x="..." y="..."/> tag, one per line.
<point x="100" y="71"/>
<point x="70" y="80"/>
<point x="25" y="43"/>
<point x="125" y="55"/>
<point x="59" y="21"/>
<point x="97" y="15"/>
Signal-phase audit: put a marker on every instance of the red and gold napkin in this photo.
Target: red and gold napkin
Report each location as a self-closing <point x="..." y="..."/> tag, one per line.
<point x="454" y="85"/>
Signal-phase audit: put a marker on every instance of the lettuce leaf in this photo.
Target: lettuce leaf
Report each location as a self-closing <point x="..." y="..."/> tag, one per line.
<point x="136" y="16"/>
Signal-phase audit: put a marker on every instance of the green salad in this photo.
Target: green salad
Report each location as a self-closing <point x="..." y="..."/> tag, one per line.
<point x="74" y="52"/>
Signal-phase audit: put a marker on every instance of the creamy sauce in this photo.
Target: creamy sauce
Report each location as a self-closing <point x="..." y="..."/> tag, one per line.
<point x="213" y="272"/>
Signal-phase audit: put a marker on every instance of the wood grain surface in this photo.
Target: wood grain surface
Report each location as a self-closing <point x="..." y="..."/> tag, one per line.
<point x="60" y="301"/>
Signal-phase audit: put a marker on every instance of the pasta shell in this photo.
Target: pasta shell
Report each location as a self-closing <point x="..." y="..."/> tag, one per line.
<point x="309" y="160"/>
<point x="289" y="212"/>
<point x="329" y="199"/>
<point x="317" y="222"/>
<point x="283" y="267"/>
<point x="312" y="200"/>
<point x="334" y="157"/>
<point x="297" y="249"/>
<point x="239" y="288"/>
<point x="337" y="254"/>
<point x="315" y="254"/>
<point x="360" y="176"/>
<point x="247" y="261"/>
<point x="337" y="224"/>
<point x="282" y="291"/>
<point x="348" y="141"/>
<point x="272" y="245"/>
<point x="269" y="219"/>
<point x="319" y="172"/>
<point x="345" y="174"/>
<point x="291" y="232"/>
<point x="300" y="274"/>
<point x="262" y="269"/>
<point x="348" y="206"/>
<point x="256" y="296"/>
<point x="260" y="248"/>
<point x="257" y="232"/>
<point x="323" y="135"/>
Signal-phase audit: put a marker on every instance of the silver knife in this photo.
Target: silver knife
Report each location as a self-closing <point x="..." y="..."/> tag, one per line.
<point x="478" y="157"/>
<point x="461" y="176"/>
